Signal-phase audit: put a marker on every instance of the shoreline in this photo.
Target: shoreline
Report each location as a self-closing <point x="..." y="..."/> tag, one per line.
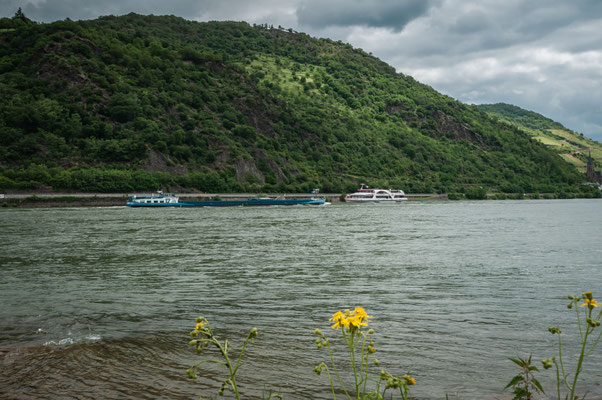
<point x="22" y="199"/>
<point x="41" y="199"/>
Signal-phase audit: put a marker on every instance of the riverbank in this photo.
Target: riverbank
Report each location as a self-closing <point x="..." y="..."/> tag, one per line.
<point x="54" y="199"/>
<point x="23" y="199"/>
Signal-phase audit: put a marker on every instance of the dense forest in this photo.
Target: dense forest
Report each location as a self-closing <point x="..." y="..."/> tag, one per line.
<point x="136" y="102"/>
<point x="521" y="117"/>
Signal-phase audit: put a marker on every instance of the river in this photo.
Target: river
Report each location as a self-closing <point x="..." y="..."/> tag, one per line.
<point x="98" y="302"/>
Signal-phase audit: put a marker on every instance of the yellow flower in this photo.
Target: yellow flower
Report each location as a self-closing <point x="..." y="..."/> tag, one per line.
<point x="356" y="321"/>
<point x="355" y="318"/>
<point x="361" y="313"/>
<point x="590" y="303"/>
<point x="339" y="320"/>
<point x="408" y="380"/>
<point x="336" y="316"/>
<point x="200" y="325"/>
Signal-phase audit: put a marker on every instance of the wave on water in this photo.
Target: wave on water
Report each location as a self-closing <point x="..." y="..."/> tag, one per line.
<point x="69" y="341"/>
<point x="61" y="342"/>
<point x="92" y="367"/>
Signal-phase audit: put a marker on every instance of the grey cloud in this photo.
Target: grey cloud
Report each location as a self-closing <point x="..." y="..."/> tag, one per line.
<point x="490" y="24"/>
<point x="52" y="10"/>
<point x="536" y="18"/>
<point x="470" y="22"/>
<point x="274" y="12"/>
<point x="541" y="21"/>
<point x="260" y="11"/>
<point x="393" y="14"/>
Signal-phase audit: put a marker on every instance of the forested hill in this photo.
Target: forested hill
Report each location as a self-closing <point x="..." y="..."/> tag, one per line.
<point x="144" y="102"/>
<point x="573" y="147"/>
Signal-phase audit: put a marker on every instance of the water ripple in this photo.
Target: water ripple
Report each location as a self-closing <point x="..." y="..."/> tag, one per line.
<point x="98" y="302"/>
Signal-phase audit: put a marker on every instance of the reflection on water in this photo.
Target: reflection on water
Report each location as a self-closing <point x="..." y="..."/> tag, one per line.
<point x="99" y="302"/>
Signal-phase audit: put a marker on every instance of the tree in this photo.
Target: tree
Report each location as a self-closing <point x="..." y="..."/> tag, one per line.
<point x="20" y="16"/>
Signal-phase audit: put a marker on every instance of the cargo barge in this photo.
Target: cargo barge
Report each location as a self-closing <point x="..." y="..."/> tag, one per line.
<point x="171" y="200"/>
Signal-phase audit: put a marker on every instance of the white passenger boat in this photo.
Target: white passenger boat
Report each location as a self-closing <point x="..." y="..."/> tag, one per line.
<point x="154" y="200"/>
<point x="366" y="194"/>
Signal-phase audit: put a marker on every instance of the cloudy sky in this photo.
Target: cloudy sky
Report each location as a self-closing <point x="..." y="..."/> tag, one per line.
<point x="542" y="55"/>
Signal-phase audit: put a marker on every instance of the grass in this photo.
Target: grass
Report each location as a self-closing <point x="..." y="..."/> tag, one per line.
<point x="288" y="80"/>
<point x="549" y="141"/>
<point x="573" y="160"/>
<point x="569" y="145"/>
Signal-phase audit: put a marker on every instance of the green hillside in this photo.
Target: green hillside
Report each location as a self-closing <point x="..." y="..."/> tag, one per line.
<point x="573" y="147"/>
<point x="144" y="102"/>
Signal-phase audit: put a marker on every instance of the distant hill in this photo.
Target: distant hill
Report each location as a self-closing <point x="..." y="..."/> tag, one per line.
<point x="135" y="102"/>
<point x="573" y="147"/>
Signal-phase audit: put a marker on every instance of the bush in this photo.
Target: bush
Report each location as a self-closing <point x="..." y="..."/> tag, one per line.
<point x="6" y="183"/>
<point x="455" y="196"/>
<point x="476" y="193"/>
<point x="244" y="131"/>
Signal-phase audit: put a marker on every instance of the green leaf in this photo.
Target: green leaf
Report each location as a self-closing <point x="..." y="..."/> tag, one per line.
<point x="520" y="362"/>
<point x="536" y="383"/>
<point x="519" y="394"/>
<point x="514" y="381"/>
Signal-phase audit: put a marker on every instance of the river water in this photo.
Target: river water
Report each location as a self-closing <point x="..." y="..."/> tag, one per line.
<point x="98" y="302"/>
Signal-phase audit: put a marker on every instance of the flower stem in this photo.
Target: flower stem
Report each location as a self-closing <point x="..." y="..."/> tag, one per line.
<point x="581" y="357"/>
<point x="364" y="369"/>
<point x="351" y="344"/>
<point x="597" y="339"/>
<point x="557" y="377"/>
<point x="578" y="319"/>
<point x="564" y="377"/>
<point x="594" y="345"/>
<point x="241" y="353"/>
<point x="336" y="370"/>
<point x="334" y="396"/>
<point x="229" y="365"/>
